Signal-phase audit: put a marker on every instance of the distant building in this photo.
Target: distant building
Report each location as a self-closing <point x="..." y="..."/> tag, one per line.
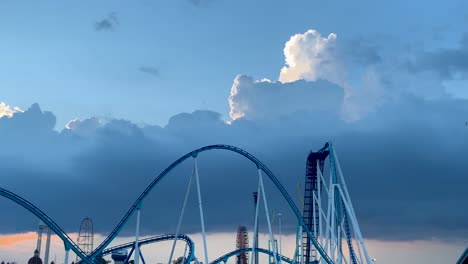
<point x="35" y="259"/>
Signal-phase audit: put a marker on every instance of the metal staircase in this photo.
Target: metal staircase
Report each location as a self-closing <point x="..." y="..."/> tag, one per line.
<point x="311" y="209"/>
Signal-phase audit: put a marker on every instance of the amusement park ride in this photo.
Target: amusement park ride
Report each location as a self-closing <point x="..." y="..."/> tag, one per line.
<point x="327" y="226"/>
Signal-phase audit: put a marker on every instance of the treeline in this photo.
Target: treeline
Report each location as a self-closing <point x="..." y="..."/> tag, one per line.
<point x="13" y="262"/>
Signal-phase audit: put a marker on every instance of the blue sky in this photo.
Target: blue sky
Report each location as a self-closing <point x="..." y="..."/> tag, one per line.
<point x="53" y="55"/>
<point x="150" y="80"/>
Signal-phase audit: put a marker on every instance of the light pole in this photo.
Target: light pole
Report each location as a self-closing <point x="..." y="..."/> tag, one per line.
<point x="279" y="223"/>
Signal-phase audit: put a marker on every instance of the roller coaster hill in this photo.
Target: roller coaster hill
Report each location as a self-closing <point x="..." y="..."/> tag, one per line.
<point x="327" y="227"/>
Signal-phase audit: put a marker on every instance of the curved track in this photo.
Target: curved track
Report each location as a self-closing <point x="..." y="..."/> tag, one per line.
<point x="194" y="153"/>
<point x="69" y="244"/>
<point x="226" y="256"/>
<point x="155" y="239"/>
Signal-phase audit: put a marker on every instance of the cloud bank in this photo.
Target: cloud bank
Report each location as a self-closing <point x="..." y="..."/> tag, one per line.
<point x="402" y="147"/>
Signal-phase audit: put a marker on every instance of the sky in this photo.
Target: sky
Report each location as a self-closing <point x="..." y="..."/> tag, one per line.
<point x="97" y="98"/>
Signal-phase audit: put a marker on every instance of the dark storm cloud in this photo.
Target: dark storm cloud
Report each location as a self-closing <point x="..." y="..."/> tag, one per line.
<point x="149" y="70"/>
<point x="362" y="50"/>
<point x="405" y="166"/>
<point x="448" y="62"/>
<point x="108" y="23"/>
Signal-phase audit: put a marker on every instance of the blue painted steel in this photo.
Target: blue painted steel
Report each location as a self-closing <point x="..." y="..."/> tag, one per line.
<point x="141" y="256"/>
<point x="225" y="257"/>
<point x="337" y="207"/>
<point x="194" y="153"/>
<point x="352" y="255"/>
<point x="130" y="254"/>
<point x="68" y="243"/>
<point x="154" y="239"/>
<point x="336" y="191"/>
<point x="464" y="257"/>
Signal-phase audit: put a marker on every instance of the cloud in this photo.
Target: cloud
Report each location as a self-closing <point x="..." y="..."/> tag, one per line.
<point x="266" y="100"/>
<point x="393" y="160"/>
<point x="6" y="110"/>
<point x="350" y="64"/>
<point x="401" y="143"/>
<point x="108" y="23"/>
<point x="448" y="63"/>
<point x="149" y="70"/>
<point x="309" y="56"/>
<point x="83" y="128"/>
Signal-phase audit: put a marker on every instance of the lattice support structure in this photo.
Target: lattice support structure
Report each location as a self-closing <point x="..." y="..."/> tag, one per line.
<point x="86" y="237"/>
<point x="242" y="242"/>
<point x="328" y="213"/>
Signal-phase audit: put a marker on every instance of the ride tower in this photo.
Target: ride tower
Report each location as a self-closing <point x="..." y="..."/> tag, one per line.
<point x="311" y="212"/>
<point x="242" y="241"/>
<point x="328" y="213"/>
<point x="86" y="237"/>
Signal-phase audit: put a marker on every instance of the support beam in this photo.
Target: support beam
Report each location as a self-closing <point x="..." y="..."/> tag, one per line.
<point x="272" y="239"/>
<point x="205" y="246"/>
<point x="39" y="236"/>
<point x="67" y="253"/>
<point x="47" y="247"/>
<point x="141" y="256"/>
<point x="254" y="259"/>
<point x="280" y="233"/>
<point x="137" y="236"/>
<point x="187" y="194"/>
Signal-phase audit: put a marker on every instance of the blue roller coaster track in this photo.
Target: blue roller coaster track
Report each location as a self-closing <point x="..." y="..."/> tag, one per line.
<point x="69" y="244"/>
<point x="224" y="258"/>
<point x="154" y="239"/>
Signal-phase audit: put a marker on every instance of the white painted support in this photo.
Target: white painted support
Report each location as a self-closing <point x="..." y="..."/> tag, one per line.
<point x="67" y="253"/>
<point x="187" y="194"/>
<point x="136" y="257"/>
<point x="267" y="215"/>
<point x="39" y="236"/>
<point x="319" y="199"/>
<point x="328" y="220"/>
<point x="280" y="234"/>
<point x="301" y="256"/>
<point x="185" y="251"/>
<point x="351" y="208"/>
<point x="356" y="227"/>
<point x="314" y="201"/>
<point x="338" y="242"/>
<point x="253" y="260"/>
<point x="332" y="222"/>
<point x="47" y="247"/>
<point x="205" y="246"/>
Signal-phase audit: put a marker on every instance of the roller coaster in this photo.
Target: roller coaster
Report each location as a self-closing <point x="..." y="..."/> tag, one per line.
<point x="326" y="219"/>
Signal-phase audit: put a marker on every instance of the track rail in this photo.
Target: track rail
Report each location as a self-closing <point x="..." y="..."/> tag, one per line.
<point x="155" y="239"/>
<point x="68" y="242"/>
<point x="226" y="256"/>
<point x="195" y="153"/>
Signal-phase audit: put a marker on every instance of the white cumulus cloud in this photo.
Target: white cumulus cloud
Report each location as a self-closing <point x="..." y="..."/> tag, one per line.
<point x="266" y="100"/>
<point x="310" y="56"/>
<point x="6" y="110"/>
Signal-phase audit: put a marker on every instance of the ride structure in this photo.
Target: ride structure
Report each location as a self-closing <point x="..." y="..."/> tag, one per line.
<point x="86" y="236"/>
<point x="242" y="242"/>
<point x="329" y="213"/>
<point x="321" y="235"/>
